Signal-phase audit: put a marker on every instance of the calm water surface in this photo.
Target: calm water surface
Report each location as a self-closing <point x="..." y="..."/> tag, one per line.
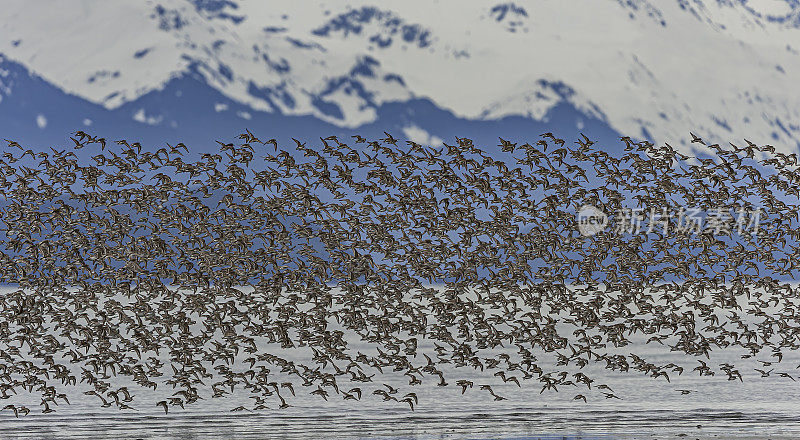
<point x="758" y="407"/>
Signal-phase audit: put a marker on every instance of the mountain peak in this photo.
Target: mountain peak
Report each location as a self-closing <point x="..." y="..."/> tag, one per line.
<point x="721" y="69"/>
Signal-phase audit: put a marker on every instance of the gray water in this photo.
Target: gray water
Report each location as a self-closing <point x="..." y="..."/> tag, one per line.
<point x="758" y="407"/>
<point x="650" y="408"/>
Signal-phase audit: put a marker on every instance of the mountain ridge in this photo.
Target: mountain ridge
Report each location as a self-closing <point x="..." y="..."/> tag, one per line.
<point x="652" y="70"/>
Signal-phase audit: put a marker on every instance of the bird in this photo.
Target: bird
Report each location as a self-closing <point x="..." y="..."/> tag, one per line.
<point x="464" y="384"/>
<point x="163" y="404"/>
<point x="206" y="274"/>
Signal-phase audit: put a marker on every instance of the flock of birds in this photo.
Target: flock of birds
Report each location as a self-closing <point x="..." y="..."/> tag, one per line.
<point x="137" y="272"/>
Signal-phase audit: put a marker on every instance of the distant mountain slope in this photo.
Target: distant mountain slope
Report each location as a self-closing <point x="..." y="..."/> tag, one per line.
<point x="724" y="69"/>
<point x="38" y="114"/>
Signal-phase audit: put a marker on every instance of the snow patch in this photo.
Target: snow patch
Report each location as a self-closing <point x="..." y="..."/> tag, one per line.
<point x="141" y="116"/>
<point x="620" y="69"/>
<point x="420" y="136"/>
<point x="775" y="8"/>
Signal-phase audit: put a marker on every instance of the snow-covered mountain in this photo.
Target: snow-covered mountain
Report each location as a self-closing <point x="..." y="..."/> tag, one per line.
<point x="197" y="70"/>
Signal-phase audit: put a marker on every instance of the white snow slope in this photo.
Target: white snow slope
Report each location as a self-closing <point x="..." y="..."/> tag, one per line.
<point x="724" y="69"/>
